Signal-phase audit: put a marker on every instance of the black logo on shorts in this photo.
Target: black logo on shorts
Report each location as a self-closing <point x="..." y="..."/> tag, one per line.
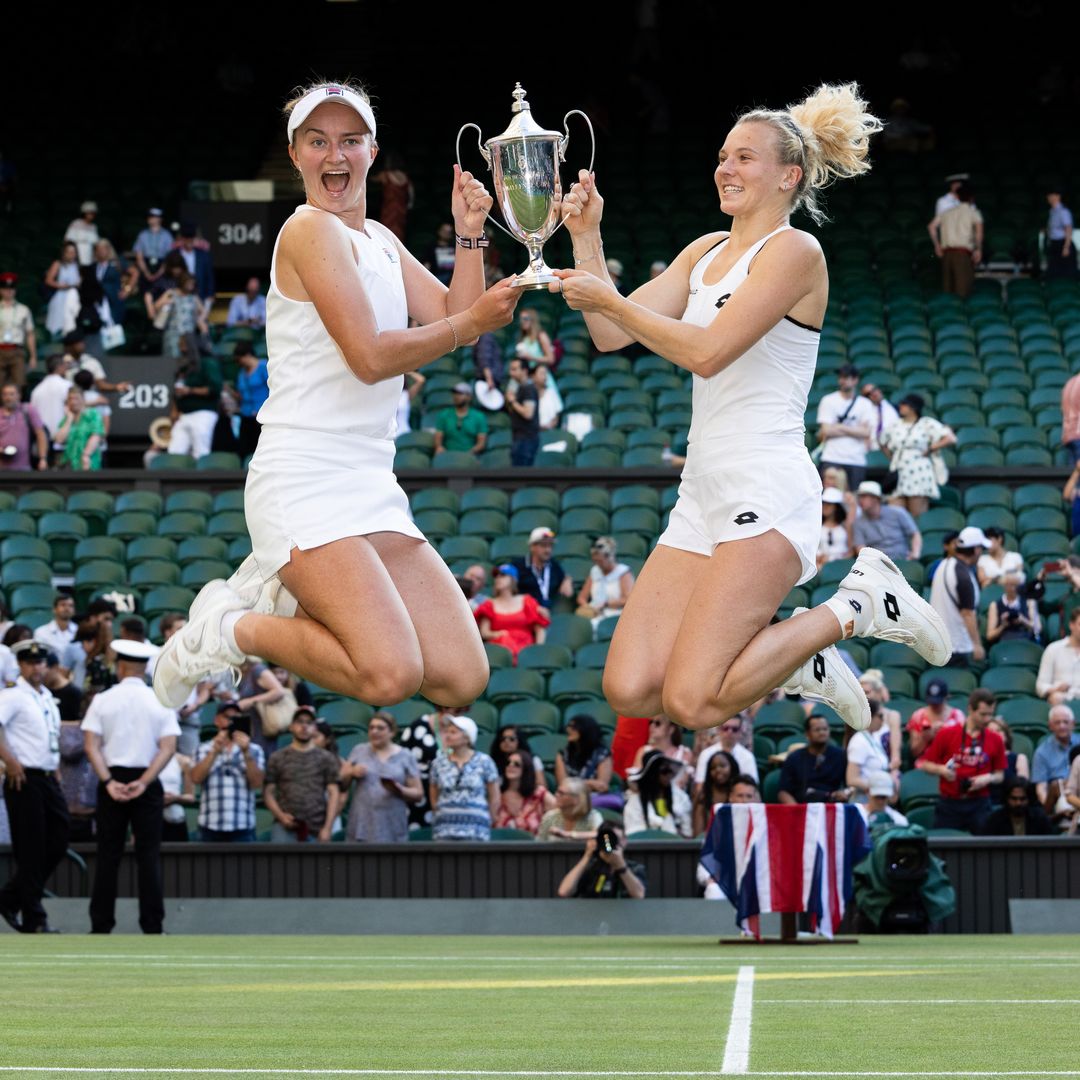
<point x="723" y="300"/>
<point x="747" y="517"/>
<point x="892" y="608"/>
<point x="856" y="605"/>
<point x="819" y="667"/>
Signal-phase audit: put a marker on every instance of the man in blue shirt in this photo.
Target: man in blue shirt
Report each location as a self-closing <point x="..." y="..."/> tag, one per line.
<point x="249" y="307"/>
<point x="253" y="388"/>
<point x="1060" y="254"/>
<point x="1050" y="763"/>
<point x="883" y="526"/>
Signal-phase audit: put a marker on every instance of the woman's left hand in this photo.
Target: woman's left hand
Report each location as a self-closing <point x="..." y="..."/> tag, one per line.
<point x="583" y="291"/>
<point x="469" y="203"/>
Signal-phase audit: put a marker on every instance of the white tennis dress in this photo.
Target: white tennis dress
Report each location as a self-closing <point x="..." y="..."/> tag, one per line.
<point x="323" y="469"/>
<point x="747" y="468"/>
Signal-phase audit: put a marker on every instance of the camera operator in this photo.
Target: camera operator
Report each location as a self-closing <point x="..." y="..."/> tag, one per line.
<point x="230" y="768"/>
<point x="603" y="871"/>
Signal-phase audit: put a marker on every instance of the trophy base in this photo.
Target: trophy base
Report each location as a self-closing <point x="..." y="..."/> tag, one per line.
<point x="533" y="279"/>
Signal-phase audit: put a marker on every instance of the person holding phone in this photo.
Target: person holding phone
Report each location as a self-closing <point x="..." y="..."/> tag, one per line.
<point x="230" y="767"/>
<point x="387" y="782"/>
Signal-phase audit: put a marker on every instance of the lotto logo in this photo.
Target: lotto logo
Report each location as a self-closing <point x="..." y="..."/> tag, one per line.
<point x="819" y="667"/>
<point x="856" y="605"/>
<point x="723" y="300"/>
<point x="892" y="608"/>
<point x="747" y="517"/>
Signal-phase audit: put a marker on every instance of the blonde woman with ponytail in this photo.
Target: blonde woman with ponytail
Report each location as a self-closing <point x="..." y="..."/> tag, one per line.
<point x="742" y="310"/>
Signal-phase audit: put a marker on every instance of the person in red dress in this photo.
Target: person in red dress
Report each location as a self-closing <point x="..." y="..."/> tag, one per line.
<point x="524" y="799"/>
<point x="511" y="619"/>
<point x="397" y="193"/>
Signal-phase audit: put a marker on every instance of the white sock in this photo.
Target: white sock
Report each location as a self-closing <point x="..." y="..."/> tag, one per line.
<point x="228" y="629"/>
<point x="853" y="611"/>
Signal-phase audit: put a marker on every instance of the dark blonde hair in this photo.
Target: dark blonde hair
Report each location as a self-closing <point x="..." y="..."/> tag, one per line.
<point x="301" y="92"/>
<point x="826" y="134"/>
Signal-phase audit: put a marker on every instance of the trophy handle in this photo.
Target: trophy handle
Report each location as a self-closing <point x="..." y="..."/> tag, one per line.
<point x="486" y="155"/>
<point x="566" y="139"/>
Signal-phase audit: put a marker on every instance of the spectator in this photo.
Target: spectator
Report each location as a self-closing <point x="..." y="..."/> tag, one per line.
<point x="967" y="758"/>
<point x="630" y="736"/>
<point x="477" y="575"/>
<point x="231" y="768"/>
<point x="78" y="781"/>
<point x="604" y="874"/>
<point x="715" y="788"/>
<point x="524" y="799"/>
<point x="397" y="193"/>
<point x="80" y="435"/>
<point x="957" y="236"/>
<point x="50" y="395"/>
<point x="666" y="737"/>
<point x="152" y="246"/>
<point x="615" y="271"/>
<point x="1015" y="764"/>
<point x="539" y="575"/>
<point x="511" y="619"/>
<point x="867" y="756"/>
<point x="178" y="791"/>
<point x="196" y="394"/>
<point x="64" y="277"/>
<point x="522" y="402"/>
<point x="882" y="790"/>
<point x="835" y="528"/>
<point x="1071" y="490"/>
<point x="1050" y="764"/>
<point x="257" y="690"/>
<point x="464" y="788"/>
<point x="816" y="772"/>
<point x="911" y="444"/>
<point x="423" y="739"/>
<point x="888" y="528"/>
<point x="1059" y="670"/>
<point x="745" y="790"/>
<point x="185" y="321"/>
<point x="442" y="254"/>
<point x="996" y="563"/>
<point x="387" y="782"/>
<point x="508" y="740"/>
<point x="658" y="803"/>
<point x="489" y="369"/>
<point x="1019" y="816"/>
<point x="1072" y="787"/>
<point x="656" y="268"/>
<point x="253" y="388"/>
<point x="950" y="198"/>
<point x="20" y="426"/>
<point x="460" y="428"/>
<point x="954" y="595"/>
<point x="18" y="342"/>
<point x="730" y="740"/>
<point x="845" y="422"/>
<point x="587" y="758"/>
<point x="885" y="414"/>
<point x="924" y="723"/>
<point x="834" y="476"/>
<point x="197" y="262"/>
<point x="108" y="272"/>
<point x="58" y="634"/>
<point x="1060" y="253"/>
<point x="948" y="551"/>
<point x="1012" y="616"/>
<point x="325" y="739"/>
<point x="302" y="786"/>
<point x="80" y="360"/>
<point x="872" y="680"/>
<point x="573" y="817"/>
<point x="410" y="391"/>
<point x="549" y="400"/>
<point x="83" y="233"/>
<point x="607" y="588"/>
<point x="249" y="307"/>
<point x="533" y="345"/>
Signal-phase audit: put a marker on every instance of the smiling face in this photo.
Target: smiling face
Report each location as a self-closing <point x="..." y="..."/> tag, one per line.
<point x="750" y="175"/>
<point x="333" y="150"/>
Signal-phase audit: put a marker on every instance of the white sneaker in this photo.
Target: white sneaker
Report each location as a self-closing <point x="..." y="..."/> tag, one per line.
<point x="264" y="598"/>
<point x="899" y="613"/>
<point x="826" y="678"/>
<point x="198" y="650"/>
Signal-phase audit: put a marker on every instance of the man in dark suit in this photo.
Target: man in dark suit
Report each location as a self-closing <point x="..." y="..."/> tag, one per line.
<point x="198" y="262"/>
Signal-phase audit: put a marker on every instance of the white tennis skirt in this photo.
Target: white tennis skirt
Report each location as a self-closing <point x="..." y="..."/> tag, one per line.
<point x="308" y="488"/>
<point x="740" y="488"/>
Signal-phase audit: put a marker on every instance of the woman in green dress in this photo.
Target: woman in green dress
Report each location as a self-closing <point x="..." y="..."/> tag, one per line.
<point x="80" y="434"/>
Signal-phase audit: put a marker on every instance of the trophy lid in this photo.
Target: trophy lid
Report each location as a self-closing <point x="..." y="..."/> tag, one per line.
<point x="523" y="126"/>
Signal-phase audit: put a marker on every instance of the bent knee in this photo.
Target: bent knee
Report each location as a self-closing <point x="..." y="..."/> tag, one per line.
<point x="693" y="708"/>
<point x="390" y="687"/>
<point x="631" y="697"/>
<point x="460" y="690"/>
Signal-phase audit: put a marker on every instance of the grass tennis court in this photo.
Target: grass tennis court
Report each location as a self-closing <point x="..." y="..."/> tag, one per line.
<point x="486" y="1006"/>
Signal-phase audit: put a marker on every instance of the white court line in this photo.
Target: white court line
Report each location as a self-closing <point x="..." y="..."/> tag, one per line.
<point x="918" y="1001"/>
<point x="508" y="1072"/>
<point x="737" y="1046"/>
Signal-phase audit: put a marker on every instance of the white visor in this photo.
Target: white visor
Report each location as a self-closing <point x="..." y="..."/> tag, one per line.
<point x="313" y="99"/>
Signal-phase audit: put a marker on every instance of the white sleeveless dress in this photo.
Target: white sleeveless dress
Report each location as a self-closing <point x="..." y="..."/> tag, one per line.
<point x="323" y="469"/>
<point x="747" y="468"/>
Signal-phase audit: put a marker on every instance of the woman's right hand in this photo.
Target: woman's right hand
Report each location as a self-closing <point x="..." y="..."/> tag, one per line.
<point x="495" y="307"/>
<point x="583" y="206"/>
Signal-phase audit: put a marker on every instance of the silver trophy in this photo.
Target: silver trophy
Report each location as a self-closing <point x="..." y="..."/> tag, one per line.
<point x="524" y="162"/>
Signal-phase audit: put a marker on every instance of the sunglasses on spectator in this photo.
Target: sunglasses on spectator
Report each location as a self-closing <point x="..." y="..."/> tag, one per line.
<point x="656" y="723"/>
<point x="730" y="727"/>
<point x="513" y="761"/>
<point x="508" y="735"/>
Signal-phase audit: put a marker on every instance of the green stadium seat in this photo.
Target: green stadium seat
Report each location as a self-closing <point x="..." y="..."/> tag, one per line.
<point x="154" y="572"/>
<point x="180" y="525"/>
<point x="346" y="715"/>
<point x="194" y="548"/>
<point x="858" y="652"/>
<point x="605" y="629"/>
<point x="891" y="654"/>
<point x="770" y="786"/>
<point x="1017" y="653"/>
<point x="1041" y="518"/>
<point x="599" y="710"/>
<point x="592" y="655"/>
<point x="643" y="457"/>
<point x="436" y="525"/>
<point x="922" y="815"/>
<point x="539" y="717"/>
<point x="452" y="459"/>
<point x="37" y="503"/>
<point x="987" y="495"/>
<point x="1009" y="682"/>
<point x="129" y="525"/>
<point x="1043" y="544"/>
<point x="166" y="598"/>
<point x="239" y="549"/>
<point x="512" y="684"/>
<point x="196" y="574"/>
<point x="917" y="788"/>
<point x="832" y="573"/>
<point x="24" y="547"/>
<point x="1036" y="495"/>
<point x="635" y="495"/>
<point x="981" y="457"/>
<point x="596" y="459"/>
<point x="535" y="498"/>
<point x="485" y="498"/>
<point x="227" y="500"/>
<point x="941" y="519"/>
<point x="515" y="835"/>
<point x="649" y="437"/>
<point x="507" y="548"/>
<point x="633" y="545"/>
<point x="95" y="507"/>
<point x="575" y="684"/>
<point x="411" y="459"/>
<point x="183" y="462"/>
<point x="15" y="523"/>
<point x="592" y="522"/>
<point x="547" y="747"/>
<point x="485" y="523"/>
<point x="408" y="712"/>
<point x="573" y="631"/>
<point x="603" y="439"/>
<point x="227" y="524"/>
<point x="190" y="502"/>
<point x="218" y="460"/>
<point x="26" y="572"/>
<point x="145" y="502"/>
<point x="958" y="680"/>
<point x="524" y="521"/>
<point x="545" y="658"/>
<point x="138" y="550"/>
<point x="470" y="548"/>
<point x="32" y="597"/>
<point x="420" y="441"/>
<point x="899" y="681"/>
<point x="498" y="657"/>
<point x="1030" y="457"/>
<point x="636" y="519"/>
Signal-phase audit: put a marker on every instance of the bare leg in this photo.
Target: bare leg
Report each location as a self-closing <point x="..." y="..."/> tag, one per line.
<point x="726" y="655"/>
<point x="647" y="629"/>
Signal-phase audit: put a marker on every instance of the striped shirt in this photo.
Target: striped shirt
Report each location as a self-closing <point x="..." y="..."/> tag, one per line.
<point x="227" y="803"/>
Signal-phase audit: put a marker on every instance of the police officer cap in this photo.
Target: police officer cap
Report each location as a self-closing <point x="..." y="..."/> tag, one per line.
<point x="138" y="651"/>
<point x="31" y="651"/>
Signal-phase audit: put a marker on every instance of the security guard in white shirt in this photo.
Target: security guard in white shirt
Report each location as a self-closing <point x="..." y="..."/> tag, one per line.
<point x="30" y="750"/>
<point x="129" y="739"/>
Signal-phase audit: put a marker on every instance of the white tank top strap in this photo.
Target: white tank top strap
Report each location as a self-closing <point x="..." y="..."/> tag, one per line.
<point x="698" y="273"/>
<point x="273" y="258"/>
